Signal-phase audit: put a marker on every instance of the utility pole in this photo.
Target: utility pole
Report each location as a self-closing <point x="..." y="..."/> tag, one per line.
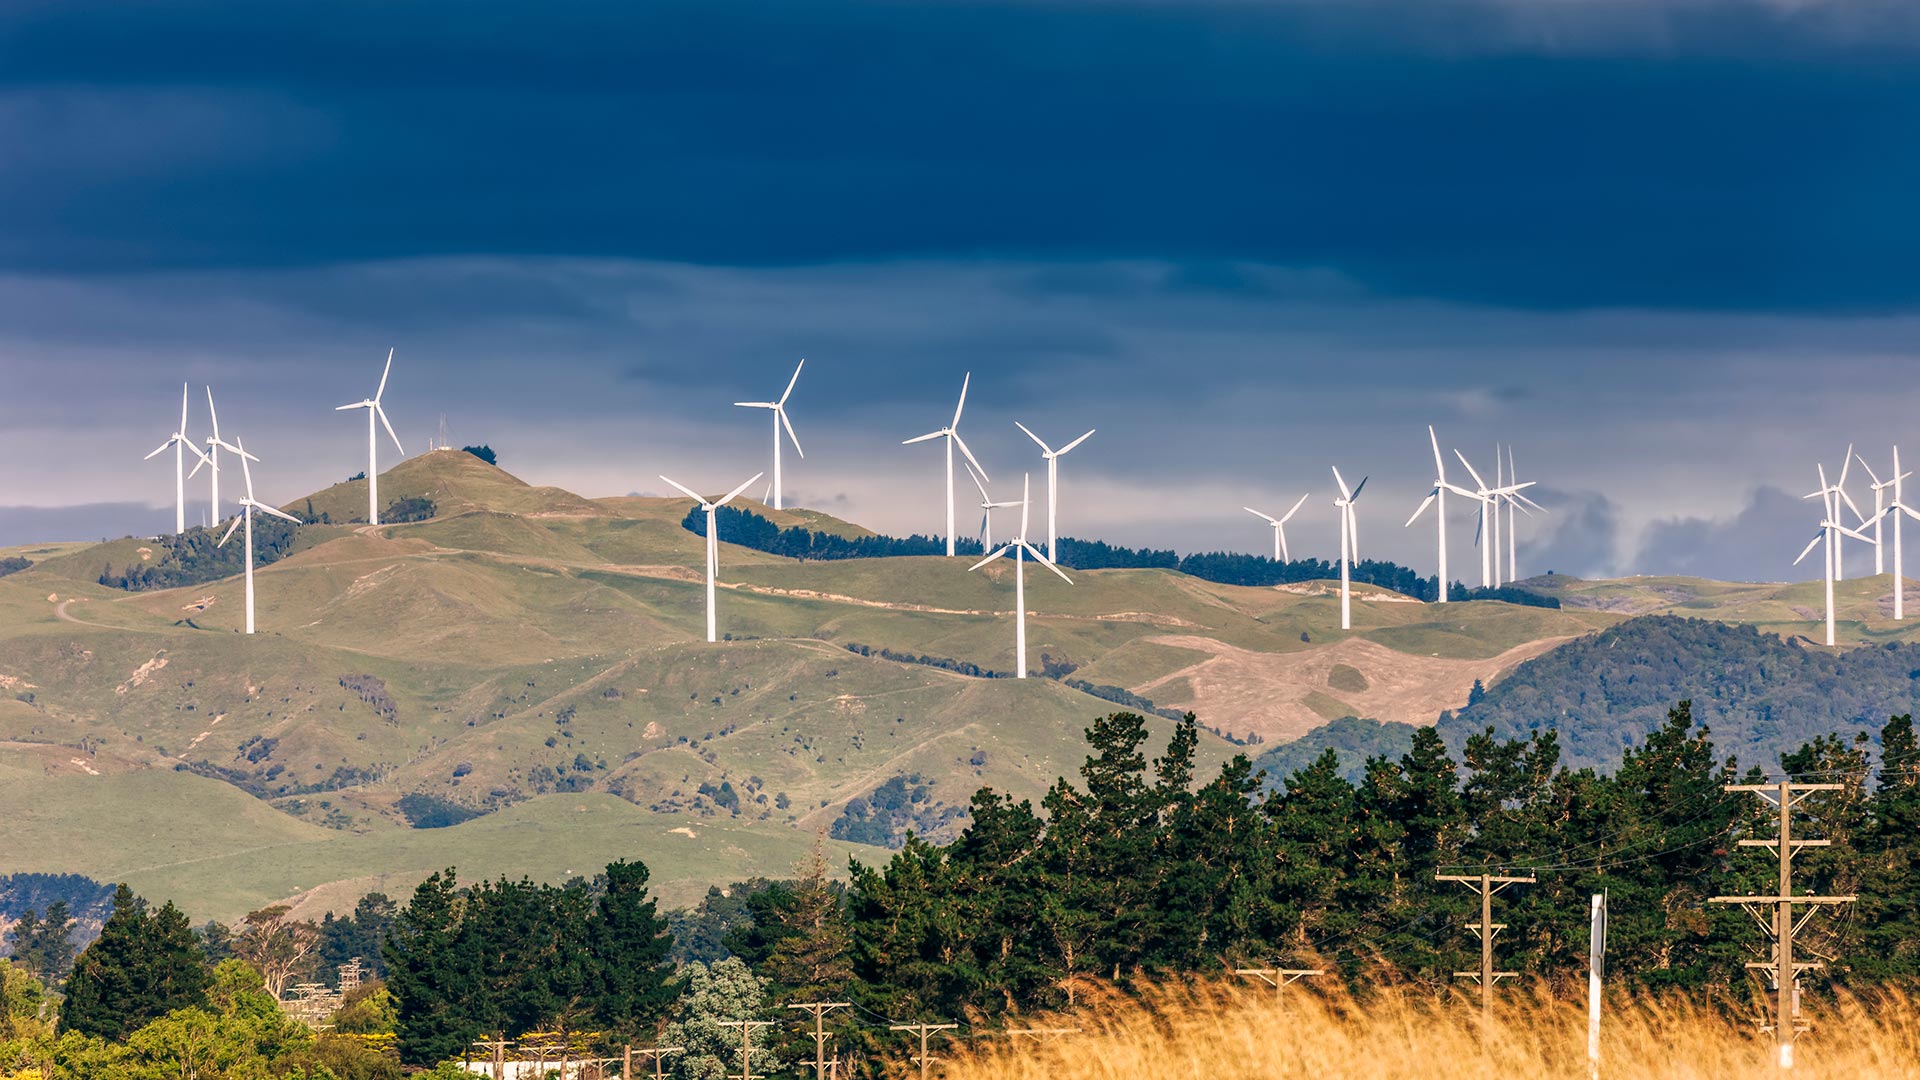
<point x="925" y="1031"/>
<point x="1596" y="969"/>
<point x="496" y="1049"/>
<point x="1278" y="978"/>
<point x="659" y="1055"/>
<point x="820" y="1009"/>
<point x="746" y="1046"/>
<point x="1486" y="885"/>
<point x="1784" y="969"/>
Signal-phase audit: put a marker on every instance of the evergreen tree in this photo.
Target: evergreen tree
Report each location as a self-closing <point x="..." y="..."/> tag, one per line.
<point x="812" y="962"/>
<point x="144" y="965"/>
<point x="630" y="947"/>
<point x="1889" y="904"/>
<point x="429" y="977"/>
<point x="45" y="946"/>
<point x="1314" y="843"/>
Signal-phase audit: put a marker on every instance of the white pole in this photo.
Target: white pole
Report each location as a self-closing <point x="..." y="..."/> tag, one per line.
<point x="1486" y="555"/>
<point x="776" y="458"/>
<point x="1053" y="496"/>
<point x="713" y="559"/>
<point x="1879" y="549"/>
<point x="1513" y="540"/>
<point x="1346" y="609"/>
<point x="1494" y="502"/>
<point x="373" y="472"/>
<point x="1276" y="545"/>
<point x="949" y="494"/>
<point x="1440" y="511"/>
<point x="1596" y="961"/>
<point x="1899" y="510"/>
<point x="1832" y="568"/>
<point x="213" y="451"/>
<point x="248" y="511"/>
<point x="1020" y="609"/>
<point x="179" y="485"/>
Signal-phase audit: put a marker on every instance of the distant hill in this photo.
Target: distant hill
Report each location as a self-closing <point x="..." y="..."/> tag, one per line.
<point x="1353" y="741"/>
<point x="1758" y="693"/>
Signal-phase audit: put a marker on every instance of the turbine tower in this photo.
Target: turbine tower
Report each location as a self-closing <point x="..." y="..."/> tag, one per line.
<point x="1279" y="524"/>
<point x="1898" y="509"/>
<point x="952" y="434"/>
<point x="1053" y="457"/>
<point x="780" y="420"/>
<point x="1483" y="495"/>
<point x="372" y="405"/>
<point x="1830" y="531"/>
<point x="987" y="507"/>
<point x="713" y="545"/>
<point x="1516" y="504"/>
<point x="245" y="517"/>
<point x="1437" y="498"/>
<point x="211" y="459"/>
<point x="181" y="446"/>
<point x="1349" y="543"/>
<point x="1020" y="548"/>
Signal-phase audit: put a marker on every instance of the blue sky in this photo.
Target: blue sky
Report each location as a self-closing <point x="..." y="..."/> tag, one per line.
<point x="1665" y="248"/>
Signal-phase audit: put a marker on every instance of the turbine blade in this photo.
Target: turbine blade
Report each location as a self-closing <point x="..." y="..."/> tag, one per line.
<point x="263" y="507"/>
<point x="1842" y="492"/>
<point x="1870" y="473"/>
<point x="382" y="414"/>
<point x="1533" y="504"/>
<point x="735" y="493"/>
<point x="755" y="404"/>
<point x="690" y="493"/>
<point x="204" y="460"/>
<point x="355" y="405"/>
<point x="1044" y="561"/>
<point x="1302" y="501"/>
<point x="231" y="528"/>
<point x="1863" y="537"/>
<point x="1344" y="493"/>
<point x="986" y="498"/>
<point x="1424" y="503"/>
<point x="1358" y="490"/>
<point x="183" y="409"/>
<point x="1285" y="555"/>
<point x="1471" y="471"/>
<point x="1075" y="442"/>
<point x="1026" y="504"/>
<point x="791" y="437"/>
<point x="1845" y="464"/>
<point x="383" y="376"/>
<point x="1258" y="514"/>
<point x="1809" y="548"/>
<point x="1439" y="463"/>
<point x="213" y="417"/>
<point x="963" y="399"/>
<point x="997" y="554"/>
<point x="244" y="470"/>
<point x="923" y="438"/>
<point x="1044" y="448"/>
<point x="157" y="450"/>
<point x="962" y="444"/>
<point x="795" y="379"/>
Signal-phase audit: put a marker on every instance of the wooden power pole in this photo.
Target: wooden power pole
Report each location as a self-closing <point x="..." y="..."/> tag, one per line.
<point x="746" y="1046"/>
<point x="820" y="1009"/>
<point x="1783" y="968"/>
<point x="1486" y="885"/>
<point x="659" y="1055"/>
<point x="1278" y="978"/>
<point x="496" y="1049"/>
<point x="925" y="1031"/>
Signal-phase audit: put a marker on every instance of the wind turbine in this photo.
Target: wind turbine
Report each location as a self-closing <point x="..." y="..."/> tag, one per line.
<point x="713" y="545"/>
<point x="211" y="459"/>
<point x="1349" y="543"/>
<point x="1438" y="499"/>
<point x="1879" y="511"/>
<point x="181" y="445"/>
<point x="987" y="507"/>
<point x="1279" y="524"/>
<point x="1484" y="496"/>
<point x="1516" y="505"/>
<point x="245" y="517"/>
<point x="780" y="420"/>
<point x="1830" y="531"/>
<point x="952" y="434"/>
<point x="372" y="405"/>
<point x="1020" y="548"/>
<point x="1899" y="509"/>
<point x="1053" y="457"/>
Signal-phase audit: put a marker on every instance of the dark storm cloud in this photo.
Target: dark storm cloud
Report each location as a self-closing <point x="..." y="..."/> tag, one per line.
<point x="1581" y="536"/>
<point x="1757" y="544"/>
<point x="1729" y="154"/>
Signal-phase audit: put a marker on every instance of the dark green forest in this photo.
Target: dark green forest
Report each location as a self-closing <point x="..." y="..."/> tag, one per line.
<point x="196" y="556"/>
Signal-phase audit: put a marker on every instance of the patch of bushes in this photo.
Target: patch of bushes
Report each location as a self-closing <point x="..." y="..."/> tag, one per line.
<point x="427" y="811"/>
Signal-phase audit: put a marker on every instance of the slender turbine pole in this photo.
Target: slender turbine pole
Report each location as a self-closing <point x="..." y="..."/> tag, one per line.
<point x="712" y="507"/>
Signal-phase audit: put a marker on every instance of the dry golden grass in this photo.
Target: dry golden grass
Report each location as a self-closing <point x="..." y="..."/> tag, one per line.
<point x="1214" y="1032"/>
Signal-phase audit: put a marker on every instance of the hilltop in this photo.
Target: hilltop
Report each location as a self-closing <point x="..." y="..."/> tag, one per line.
<point x="526" y="648"/>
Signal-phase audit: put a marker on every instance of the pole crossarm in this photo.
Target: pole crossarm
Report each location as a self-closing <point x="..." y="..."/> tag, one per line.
<point x="1486" y="886"/>
<point x="1278" y="978"/>
<point x="925" y="1032"/>
<point x="747" y="1028"/>
<point x="819" y="1010"/>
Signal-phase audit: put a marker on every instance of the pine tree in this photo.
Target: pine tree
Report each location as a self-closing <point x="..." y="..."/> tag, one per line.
<point x="44" y="947"/>
<point x="429" y="977"/>
<point x="1314" y="840"/>
<point x="812" y="962"/>
<point x="143" y="966"/>
<point x="1889" y="905"/>
<point x="630" y="946"/>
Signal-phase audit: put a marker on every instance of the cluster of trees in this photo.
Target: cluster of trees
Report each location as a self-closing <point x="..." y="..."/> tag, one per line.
<point x="483" y="452"/>
<point x="13" y="564"/>
<point x="195" y="557"/>
<point x="748" y="529"/>
<point x="1761" y="694"/>
<point x="903" y="806"/>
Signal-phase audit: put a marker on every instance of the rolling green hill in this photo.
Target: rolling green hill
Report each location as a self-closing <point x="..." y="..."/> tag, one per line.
<point x="527" y="652"/>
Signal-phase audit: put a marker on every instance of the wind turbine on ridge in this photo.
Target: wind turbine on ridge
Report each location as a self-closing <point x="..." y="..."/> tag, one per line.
<point x="1280" y="553"/>
<point x="1516" y="504"/>
<point x="1053" y="457"/>
<point x="211" y="459"/>
<point x="779" y="420"/>
<point x="247" y="506"/>
<point x="1349" y="543"/>
<point x="1020" y="548"/>
<point x="987" y="507"/>
<point x="181" y="445"/>
<point x="713" y="545"/>
<point x="1898" y="509"/>
<point x="1437" y="498"/>
<point x="952" y="434"/>
<point x="1830" y="531"/>
<point x="372" y="405"/>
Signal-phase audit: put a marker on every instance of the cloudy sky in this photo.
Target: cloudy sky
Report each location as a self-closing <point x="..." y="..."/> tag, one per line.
<point x="1663" y="247"/>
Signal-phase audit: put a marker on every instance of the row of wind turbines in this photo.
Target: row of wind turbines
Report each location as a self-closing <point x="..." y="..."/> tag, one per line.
<point x="1889" y="503"/>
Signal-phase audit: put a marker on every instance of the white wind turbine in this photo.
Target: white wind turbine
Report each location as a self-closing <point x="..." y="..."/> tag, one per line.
<point x="211" y="459"/>
<point x="1021" y="549"/>
<point x="1516" y="505"/>
<point x="779" y="420"/>
<point x="1830" y="531"/>
<point x="987" y="507"/>
<point x="952" y="434"/>
<point x="1484" y="496"/>
<point x="181" y="447"/>
<point x="372" y="405"/>
<point x="1053" y="457"/>
<point x="1280" y="553"/>
<point x="1898" y="509"/>
<point x="1349" y="543"/>
<point x="713" y="544"/>
<point x="1437" y="498"/>
<point x="247" y="506"/>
